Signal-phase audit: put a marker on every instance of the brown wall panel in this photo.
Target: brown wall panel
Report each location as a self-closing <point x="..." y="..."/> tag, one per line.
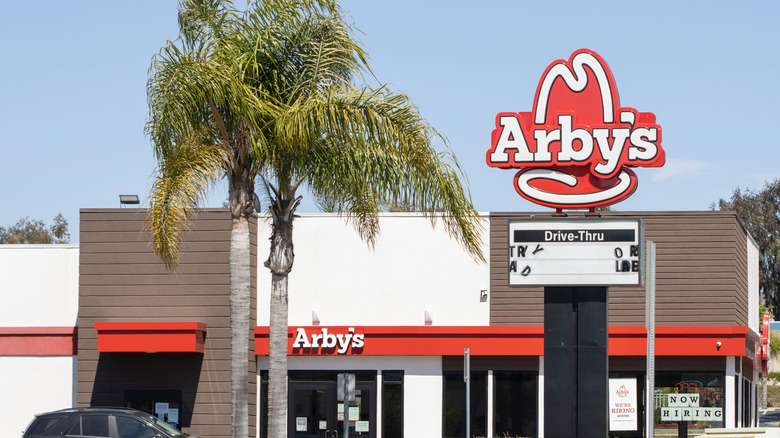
<point x="121" y="279"/>
<point x="701" y="273"/>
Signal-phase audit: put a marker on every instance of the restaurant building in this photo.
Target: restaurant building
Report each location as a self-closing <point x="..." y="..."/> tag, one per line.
<point x="399" y="317"/>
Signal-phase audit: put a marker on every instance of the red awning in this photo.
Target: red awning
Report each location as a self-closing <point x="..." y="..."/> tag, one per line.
<point x="38" y="341"/>
<point x="497" y="340"/>
<point x="151" y="337"/>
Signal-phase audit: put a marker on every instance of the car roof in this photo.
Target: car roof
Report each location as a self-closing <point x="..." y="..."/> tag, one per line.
<point x="96" y="410"/>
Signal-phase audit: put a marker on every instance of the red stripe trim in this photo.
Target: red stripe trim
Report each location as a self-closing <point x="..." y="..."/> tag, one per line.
<point x="151" y="337"/>
<point x="511" y="340"/>
<point x="38" y="341"/>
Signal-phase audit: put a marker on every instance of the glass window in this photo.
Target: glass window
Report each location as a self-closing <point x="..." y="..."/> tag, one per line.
<point x="90" y="425"/>
<point x="392" y="404"/>
<point x="263" y="420"/>
<point x="44" y="423"/>
<point x="747" y="388"/>
<point x="675" y="409"/>
<point x="514" y="404"/>
<point x="454" y="411"/>
<point x="163" y="404"/>
<point x="132" y="428"/>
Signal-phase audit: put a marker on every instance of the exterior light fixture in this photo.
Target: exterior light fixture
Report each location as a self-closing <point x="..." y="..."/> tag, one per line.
<point x="428" y="317"/>
<point x="128" y="200"/>
<point x="483" y="294"/>
<point x="315" y="317"/>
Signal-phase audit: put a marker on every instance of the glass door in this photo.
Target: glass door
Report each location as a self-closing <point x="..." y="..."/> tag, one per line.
<point x="313" y="409"/>
<point x="362" y="416"/>
<point x="315" y="412"/>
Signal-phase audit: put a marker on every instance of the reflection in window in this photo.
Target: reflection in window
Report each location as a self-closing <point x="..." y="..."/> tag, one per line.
<point x="392" y="404"/>
<point x="514" y="405"/>
<point x="90" y="425"/>
<point x="455" y="404"/>
<point x="704" y="410"/>
<point x="132" y="428"/>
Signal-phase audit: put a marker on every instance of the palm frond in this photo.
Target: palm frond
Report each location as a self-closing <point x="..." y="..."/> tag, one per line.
<point x="203" y="20"/>
<point x="182" y="180"/>
<point x="367" y="148"/>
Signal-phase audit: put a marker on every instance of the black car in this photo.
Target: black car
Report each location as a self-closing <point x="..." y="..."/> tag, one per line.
<point x="100" y="422"/>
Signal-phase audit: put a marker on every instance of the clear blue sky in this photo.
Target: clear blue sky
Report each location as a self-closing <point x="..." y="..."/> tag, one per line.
<point x="73" y="99"/>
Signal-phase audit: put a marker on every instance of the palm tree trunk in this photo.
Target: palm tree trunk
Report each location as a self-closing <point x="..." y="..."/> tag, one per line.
<point x="764" y="382"/>
<point x="280" y="262"/>
<point x="277" y="356"/>
<point x="239" y="325"/>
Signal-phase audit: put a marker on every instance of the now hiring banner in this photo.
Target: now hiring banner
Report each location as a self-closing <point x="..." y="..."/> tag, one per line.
<point x="685" y="407"/>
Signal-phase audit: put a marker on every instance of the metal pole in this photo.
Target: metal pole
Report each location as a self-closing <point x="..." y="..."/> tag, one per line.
<point x="466" y="378"/>
<point x="650" y="325"/>
<point x="346" y="407"/>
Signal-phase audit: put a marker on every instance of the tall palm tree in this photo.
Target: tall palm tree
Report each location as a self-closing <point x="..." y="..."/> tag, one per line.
<point x="270" y="96"/>
<point x="200" y="122"/>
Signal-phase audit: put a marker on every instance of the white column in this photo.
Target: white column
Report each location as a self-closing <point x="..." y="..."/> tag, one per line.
<point x="729" y="409"/>
<point x="490" y="384"/>
<point x="540" y="402"/>
<point x="756" y="399"/>
<point x="379" y="386"/>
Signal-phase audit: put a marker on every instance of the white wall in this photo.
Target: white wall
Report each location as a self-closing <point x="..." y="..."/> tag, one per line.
<point x="754" y="319"/>
<point x="39" y="286"/>
<point x="412" y="268"/>
<point x="31" y="385"/>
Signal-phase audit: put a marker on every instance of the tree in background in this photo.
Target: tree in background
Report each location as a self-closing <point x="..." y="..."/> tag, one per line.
<point x="270" y="93"/>
<point x="36" y="232"/>
<point x="760" y="213"/>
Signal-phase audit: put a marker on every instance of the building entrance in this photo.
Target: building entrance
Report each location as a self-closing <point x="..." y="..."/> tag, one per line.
<point x="315" y="412"/>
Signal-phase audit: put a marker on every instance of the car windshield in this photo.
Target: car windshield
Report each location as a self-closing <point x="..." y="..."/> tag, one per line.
<point x="172" y="431"/>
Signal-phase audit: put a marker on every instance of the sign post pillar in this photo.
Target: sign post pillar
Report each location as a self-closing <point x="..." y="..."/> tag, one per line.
<point x="650" y="325"/>
<point x="575" y="352"/>
<point x="576" y="260"/>
<point x="467" y="379"/>
<point x="345" y="392"/>
<point x="574" y="150"/>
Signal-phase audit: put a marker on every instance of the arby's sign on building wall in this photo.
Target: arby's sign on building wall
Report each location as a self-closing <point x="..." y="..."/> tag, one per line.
<point x="577" y="146"/>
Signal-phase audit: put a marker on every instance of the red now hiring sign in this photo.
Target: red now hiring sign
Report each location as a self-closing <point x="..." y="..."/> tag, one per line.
<point x="576" y="148"/>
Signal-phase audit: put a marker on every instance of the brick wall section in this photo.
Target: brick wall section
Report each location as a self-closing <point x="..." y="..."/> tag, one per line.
<point x="121" y="279"/>
<point x="701" y="273"/>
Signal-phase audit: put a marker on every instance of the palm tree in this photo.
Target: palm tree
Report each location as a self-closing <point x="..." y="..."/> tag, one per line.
<point x="270" y="96"/>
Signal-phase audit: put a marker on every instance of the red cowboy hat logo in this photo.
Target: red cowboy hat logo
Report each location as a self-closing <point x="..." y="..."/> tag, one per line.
<point x="576" y="148"/>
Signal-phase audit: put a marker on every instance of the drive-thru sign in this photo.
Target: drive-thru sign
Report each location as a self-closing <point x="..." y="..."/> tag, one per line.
<point x="561" y="252"/>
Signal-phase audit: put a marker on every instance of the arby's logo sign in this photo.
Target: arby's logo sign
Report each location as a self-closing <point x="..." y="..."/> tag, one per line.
<point x="328" y="343"/>
<point x="576" y="148"/>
